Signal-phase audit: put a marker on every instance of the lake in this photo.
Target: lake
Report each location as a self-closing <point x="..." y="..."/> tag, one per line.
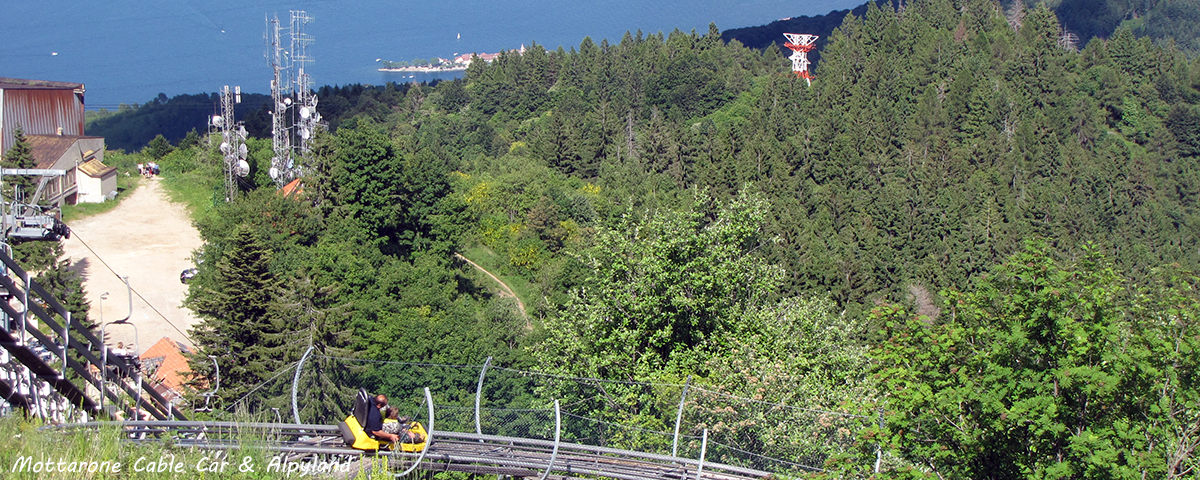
<point x="129" y="51"/>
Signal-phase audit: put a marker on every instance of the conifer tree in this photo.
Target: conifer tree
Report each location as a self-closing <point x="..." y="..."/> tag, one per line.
<point x="235" y="323"/>
<point x="20" y="155"/>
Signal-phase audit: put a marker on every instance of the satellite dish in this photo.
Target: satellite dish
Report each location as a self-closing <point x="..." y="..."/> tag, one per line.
<point x="243" y="168"/>
<point x="291" y="163"/>
<point x="274" y="172"/>
<point x="304" y="133"/>
<point x="317" y="117"/>
<point x="287" y="101"/>
<point x="242" y="132"/>
<point x="314" y="102"/>
<point x="304" y="113"/>
<point x="216" y="121"/>
<point x="242" y="150"/>
<point x="225" y="147"/>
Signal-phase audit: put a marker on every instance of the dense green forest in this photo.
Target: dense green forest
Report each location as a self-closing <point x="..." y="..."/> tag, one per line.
<point x="964" y="223"/>
<point x="1169" y="21"/>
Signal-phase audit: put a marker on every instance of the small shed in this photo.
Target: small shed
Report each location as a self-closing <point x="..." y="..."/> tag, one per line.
<point x="97" y="181"/>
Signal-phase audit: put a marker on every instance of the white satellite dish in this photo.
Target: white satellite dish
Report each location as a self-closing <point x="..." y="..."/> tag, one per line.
<point x="242" y="152"/>
<point x="216" y="121"/>
<point x="242" y="132"/>
<point x="314" y="101"/>
<point x="304" y="113"/>
<point x="243" y="168"/>
<point x="317" y="117"/>
<point x="287" y="101"/>
<point x="304" y="133"/>
<point x="274" y="172"/>
<point x="225" y="147"/>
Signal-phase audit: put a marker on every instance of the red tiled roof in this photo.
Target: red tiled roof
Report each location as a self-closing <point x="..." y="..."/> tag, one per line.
<point x="292" y="188"/>
<point x="173" y="368"/>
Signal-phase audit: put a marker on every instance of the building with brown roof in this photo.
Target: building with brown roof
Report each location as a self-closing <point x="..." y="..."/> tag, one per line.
<point x="51" y="116"/>
<point x="167" y="368"/>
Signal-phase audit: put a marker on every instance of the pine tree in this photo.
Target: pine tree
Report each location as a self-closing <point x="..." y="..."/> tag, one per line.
<point x="20" y="155"/>
<point x="235" y="323"/>
<point x="303" y="317"/>
<point x="65" y="284"/>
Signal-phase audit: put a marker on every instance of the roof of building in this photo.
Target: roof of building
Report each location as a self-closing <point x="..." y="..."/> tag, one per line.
<point x="47" y="149"/>
<point x="172" y="368"/>
<point x="95" y="168"/>
<point x="293" y="187"/>
<point x="21" y="83"/>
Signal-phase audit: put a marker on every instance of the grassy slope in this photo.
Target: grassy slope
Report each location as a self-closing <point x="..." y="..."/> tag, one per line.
<point x="20" y="437"/>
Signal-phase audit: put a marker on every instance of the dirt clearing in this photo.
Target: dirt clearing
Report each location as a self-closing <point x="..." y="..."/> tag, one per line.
<point x="150" y="240"/>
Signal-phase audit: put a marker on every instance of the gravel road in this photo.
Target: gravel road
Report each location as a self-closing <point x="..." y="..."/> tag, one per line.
<point x="150" y="240"/>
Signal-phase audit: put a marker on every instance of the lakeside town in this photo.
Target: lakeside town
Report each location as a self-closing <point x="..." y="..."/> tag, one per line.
<point x="438" y="64"/>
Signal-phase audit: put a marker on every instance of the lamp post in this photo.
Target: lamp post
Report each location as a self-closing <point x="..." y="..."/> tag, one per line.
<point x="103" y="297"/>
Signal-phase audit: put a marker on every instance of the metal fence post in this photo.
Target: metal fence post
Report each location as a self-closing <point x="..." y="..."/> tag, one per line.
<point x="557" y="438"/>
<point x="66" y="344"/>
<point x="703" y="452"/>
<point x="428" y="436"/>
<point x="679" y="417"/>
<point x="479" y="395"/>
<point x="24" y="308"/>
<point x="296" y="383"/>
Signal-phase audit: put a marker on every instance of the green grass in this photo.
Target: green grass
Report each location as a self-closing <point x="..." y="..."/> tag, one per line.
<point x="125" y="186"/>
<point x="21" y="438"/>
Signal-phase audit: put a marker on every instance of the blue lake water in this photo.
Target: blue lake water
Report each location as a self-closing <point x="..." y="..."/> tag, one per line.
<point x="131" y="50"/>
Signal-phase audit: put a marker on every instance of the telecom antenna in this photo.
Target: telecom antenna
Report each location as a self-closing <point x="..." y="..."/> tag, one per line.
<point x="306" y="119"/>
<point x="281" y="138"/>
<point x="233" y="141"/>
<point x="801" y="44"/>
<point x="295" y="119"/>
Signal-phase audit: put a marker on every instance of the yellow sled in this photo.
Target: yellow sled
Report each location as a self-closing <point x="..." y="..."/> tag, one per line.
<point x="416" y="447"/>
<point x="357" y="438"/>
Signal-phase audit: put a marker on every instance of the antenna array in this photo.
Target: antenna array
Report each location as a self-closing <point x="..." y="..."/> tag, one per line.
<point x="233" y="141"/>
<point x="294" y="119"/>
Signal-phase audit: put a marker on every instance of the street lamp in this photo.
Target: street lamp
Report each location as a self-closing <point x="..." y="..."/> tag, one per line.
<point x="103" y="297"/>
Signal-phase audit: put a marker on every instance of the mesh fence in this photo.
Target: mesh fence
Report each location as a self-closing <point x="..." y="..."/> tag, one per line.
<point x="636" y="416"/>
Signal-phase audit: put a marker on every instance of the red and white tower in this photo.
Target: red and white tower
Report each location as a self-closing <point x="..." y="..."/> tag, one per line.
<point x="801" y="44"/>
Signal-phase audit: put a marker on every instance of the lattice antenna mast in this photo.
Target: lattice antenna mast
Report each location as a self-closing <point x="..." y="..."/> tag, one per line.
<point x="306" y="119"/>
<point x="801" y="44"/>
<point x="281" y="138"/>
<point x="233" y="141"/>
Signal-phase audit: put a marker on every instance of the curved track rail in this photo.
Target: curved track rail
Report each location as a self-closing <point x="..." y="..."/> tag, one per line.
<point x="447" y="451"/>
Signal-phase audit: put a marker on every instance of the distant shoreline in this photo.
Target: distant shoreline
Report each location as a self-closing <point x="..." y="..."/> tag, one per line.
<point x="456" y="68"/>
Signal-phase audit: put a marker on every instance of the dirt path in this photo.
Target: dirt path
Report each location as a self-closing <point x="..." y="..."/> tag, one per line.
<point x="150" y="240"/>
<point x="504" y="286"/>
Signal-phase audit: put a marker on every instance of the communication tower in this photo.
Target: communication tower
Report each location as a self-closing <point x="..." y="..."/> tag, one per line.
<point x="801" y="44"/>
<point x="281" y="138"/>
<point x="294" y="119"/>
<point x="233" y="141"/>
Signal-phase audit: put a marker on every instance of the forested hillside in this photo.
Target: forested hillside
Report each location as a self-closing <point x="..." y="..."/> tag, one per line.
<point x="983" y="233"/>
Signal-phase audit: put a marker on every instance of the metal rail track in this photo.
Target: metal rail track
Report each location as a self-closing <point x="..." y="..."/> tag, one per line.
<point x="447" y="451"/>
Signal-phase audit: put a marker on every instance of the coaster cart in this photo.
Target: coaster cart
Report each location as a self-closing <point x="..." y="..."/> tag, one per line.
<point x="357" y="438"/>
